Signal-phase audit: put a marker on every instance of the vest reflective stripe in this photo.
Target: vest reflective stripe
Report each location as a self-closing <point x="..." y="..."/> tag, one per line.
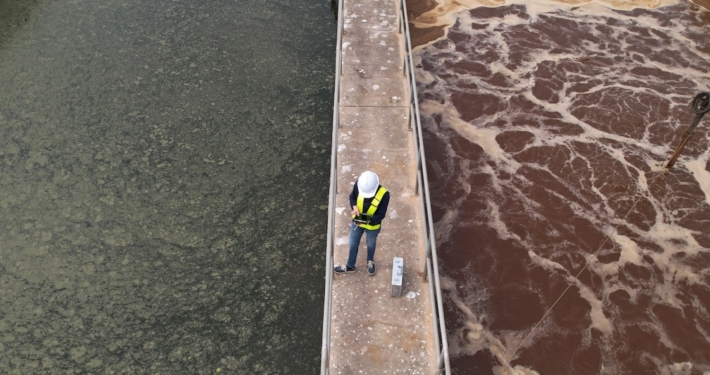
<point x="373" y="207"/>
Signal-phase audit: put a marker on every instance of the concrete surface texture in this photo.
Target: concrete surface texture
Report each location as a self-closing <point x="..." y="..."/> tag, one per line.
<point x="372" y="332"/>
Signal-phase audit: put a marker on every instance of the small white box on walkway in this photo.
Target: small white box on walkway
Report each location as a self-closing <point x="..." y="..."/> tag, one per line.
<point x="397" y="274"/>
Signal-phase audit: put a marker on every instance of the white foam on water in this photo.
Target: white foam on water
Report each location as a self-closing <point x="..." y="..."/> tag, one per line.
<point x="545" y="263"/>
<point x="517" y="370"/>
<point x="660" y="243"/>
<point x="700" y="171"/>
<point x="684" y="368"/>
<point x="447" y="12"/>
<point x="496" y="223"/>
<point x="484" y="137"/>
<point x="599" y="319"/>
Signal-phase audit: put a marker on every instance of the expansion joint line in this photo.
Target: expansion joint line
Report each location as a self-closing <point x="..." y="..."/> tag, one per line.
<point x="606" y="239"/>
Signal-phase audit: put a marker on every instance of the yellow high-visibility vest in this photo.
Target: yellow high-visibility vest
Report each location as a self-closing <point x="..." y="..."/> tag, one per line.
<point x="370" y="210"/>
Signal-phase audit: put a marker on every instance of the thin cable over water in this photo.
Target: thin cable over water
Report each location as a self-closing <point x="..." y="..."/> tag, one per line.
<point x="606" y="239"/>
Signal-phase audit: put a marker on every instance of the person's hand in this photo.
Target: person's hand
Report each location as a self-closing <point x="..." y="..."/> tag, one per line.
<point x="355" y="212"/>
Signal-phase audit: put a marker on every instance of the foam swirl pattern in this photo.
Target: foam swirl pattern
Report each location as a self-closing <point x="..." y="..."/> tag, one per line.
<point x="548" y="126"/>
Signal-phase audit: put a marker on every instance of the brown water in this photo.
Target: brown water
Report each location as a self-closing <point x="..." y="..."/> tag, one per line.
<point x="546" y="130"/>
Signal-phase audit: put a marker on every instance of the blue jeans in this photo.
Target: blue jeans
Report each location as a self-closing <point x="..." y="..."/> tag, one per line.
<point x="355" y="235"/>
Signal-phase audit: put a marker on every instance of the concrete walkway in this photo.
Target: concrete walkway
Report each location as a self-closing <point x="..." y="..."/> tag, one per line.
<point x="372" y="332"/>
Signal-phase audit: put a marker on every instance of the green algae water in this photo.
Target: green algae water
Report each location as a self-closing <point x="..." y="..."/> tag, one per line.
<point x="164" y="171"/>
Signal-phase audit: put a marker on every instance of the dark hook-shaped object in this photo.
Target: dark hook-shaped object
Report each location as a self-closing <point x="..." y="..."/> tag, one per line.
<point x="701" y="106"/>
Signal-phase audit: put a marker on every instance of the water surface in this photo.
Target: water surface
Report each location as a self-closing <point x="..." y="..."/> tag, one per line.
<point x="163" y="185"/>
<point x="547" y="128"/>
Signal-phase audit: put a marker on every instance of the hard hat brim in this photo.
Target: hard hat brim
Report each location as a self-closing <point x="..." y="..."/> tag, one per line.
<point x="368" y="194"/>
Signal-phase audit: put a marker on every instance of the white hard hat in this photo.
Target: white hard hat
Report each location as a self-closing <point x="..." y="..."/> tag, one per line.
<point x="367" y="184"/>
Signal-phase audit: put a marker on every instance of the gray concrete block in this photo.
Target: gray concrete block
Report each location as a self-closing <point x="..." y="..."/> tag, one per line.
<point x="376" y="138"/>
<point x="356" y="91"/>
<point x="369" y="13"/>
<point x="397" y="276"/>
<point x="370" y="58"/>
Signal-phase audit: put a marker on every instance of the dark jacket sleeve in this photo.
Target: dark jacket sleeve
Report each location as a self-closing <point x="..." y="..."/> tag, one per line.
<point x="381" y="209"/>
<point x="353" y="196"/>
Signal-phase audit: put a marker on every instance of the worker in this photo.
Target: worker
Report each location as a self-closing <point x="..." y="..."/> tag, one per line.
<point x="369" y="202"/>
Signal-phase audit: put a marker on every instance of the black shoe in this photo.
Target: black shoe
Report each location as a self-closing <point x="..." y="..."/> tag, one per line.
<point x="371" y="267"/>
<point x="341" y="269"/>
